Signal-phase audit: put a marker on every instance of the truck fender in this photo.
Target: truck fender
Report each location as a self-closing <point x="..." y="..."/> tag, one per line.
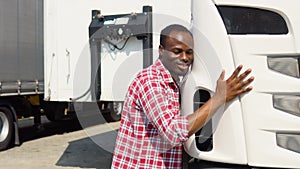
<point x="15" y="121"/>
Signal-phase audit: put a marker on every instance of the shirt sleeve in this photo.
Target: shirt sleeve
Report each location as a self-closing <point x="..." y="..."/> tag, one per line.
<point x="166" y="118"/>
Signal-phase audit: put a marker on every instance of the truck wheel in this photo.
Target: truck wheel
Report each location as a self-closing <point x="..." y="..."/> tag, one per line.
<point x="6" y="128"/>
<point x="115" y="110"/>
<point x="54" y="111"/>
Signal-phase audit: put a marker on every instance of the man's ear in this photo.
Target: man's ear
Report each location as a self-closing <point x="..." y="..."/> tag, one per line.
<point x="160" y="50"/>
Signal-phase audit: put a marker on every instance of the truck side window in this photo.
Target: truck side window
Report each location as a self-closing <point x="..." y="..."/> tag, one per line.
<point x="204" y="137"/>
<point x="245" y="20"/>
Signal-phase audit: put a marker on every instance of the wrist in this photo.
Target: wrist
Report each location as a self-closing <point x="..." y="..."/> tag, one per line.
<point x="218" y="101"/>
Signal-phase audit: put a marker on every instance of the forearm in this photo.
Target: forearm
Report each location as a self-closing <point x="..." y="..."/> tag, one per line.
<point x="198" y="119"/>
<point x="226" y="91"/>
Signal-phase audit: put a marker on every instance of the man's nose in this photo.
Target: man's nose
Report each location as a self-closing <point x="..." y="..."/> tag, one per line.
<point x="185" y="57"/>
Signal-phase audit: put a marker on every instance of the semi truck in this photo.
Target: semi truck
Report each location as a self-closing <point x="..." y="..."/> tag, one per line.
<point x="21" y="65"/>
<point x="24" y="70"/>
<point x="92" y="50"/>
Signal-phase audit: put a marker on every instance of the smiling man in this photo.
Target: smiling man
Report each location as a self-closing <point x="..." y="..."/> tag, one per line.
<point x="152" y="129"/>
<point x="176" y="50"/>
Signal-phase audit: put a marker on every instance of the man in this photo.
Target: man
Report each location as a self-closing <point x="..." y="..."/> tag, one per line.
<point x="152" y="129"/>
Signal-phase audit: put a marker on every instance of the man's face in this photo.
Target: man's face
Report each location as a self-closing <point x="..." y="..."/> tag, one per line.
<point x="177" y="54"/>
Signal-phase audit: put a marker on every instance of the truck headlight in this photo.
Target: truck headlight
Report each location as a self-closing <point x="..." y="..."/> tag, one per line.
<point x="285" y="65"/>
<point x="287" y="103"/>
<point x="289" y="141"/>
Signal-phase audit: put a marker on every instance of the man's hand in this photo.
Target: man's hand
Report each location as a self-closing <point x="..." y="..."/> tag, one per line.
<point x="226" y="90"/>
<point x="234" y="86"/>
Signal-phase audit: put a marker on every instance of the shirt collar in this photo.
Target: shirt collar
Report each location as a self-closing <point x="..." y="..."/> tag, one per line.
<point x="163" y="71"/>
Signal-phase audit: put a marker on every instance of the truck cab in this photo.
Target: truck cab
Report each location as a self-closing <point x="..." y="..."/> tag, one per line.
<point x="260" y="129"/>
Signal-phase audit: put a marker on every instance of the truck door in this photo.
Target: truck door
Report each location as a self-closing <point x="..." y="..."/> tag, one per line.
<point x="223" y="138"/>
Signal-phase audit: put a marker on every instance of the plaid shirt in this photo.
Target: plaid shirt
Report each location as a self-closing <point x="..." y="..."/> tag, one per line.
<point x="152" y="129"/>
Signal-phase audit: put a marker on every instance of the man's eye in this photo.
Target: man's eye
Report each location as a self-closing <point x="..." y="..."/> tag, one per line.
<point x="189" y="52"/>
<point x="177" y="51"/>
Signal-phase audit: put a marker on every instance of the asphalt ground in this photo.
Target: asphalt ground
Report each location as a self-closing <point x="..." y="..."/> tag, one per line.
<point x="61" y="145"/>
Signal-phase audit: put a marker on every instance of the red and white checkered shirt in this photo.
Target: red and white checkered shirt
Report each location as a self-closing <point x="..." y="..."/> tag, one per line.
<point x="152" y="129"/>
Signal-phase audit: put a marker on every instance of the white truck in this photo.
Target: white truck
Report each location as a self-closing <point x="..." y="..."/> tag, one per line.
<point x="86" y="61"/>
<point x="22" y="68"/>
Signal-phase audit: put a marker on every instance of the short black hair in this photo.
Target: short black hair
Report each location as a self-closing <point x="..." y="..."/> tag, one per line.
<point x="171" y="28"/>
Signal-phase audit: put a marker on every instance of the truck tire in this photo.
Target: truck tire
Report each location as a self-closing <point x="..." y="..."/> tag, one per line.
<point x="111" y="110"/>
<point x="6" y="128"/>
<point x="115" y="110"/>
<point x="54" y="111"/>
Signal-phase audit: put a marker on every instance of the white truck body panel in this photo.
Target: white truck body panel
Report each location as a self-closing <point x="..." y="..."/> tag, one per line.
<point x="67" y="55"/>
<point x="213" y="52"/>
<point x="261" y="120"/>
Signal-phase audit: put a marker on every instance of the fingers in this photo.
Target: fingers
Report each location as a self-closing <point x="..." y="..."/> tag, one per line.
<point x="244" y="90"/>
<point x="238" y="83"/>
<point x="246" y="83"/>
<point x="243" y="75"/>
<point x="236" y="72"/>
<point x="239" y="78"/>
<point x="222" y="75"/>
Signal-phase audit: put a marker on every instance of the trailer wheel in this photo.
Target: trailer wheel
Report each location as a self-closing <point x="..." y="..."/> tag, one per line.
<point x="6" y="128"/>
<point x="54" y="111"/>
<point x="111" y="110"/>
<point x="116" y="110"/>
